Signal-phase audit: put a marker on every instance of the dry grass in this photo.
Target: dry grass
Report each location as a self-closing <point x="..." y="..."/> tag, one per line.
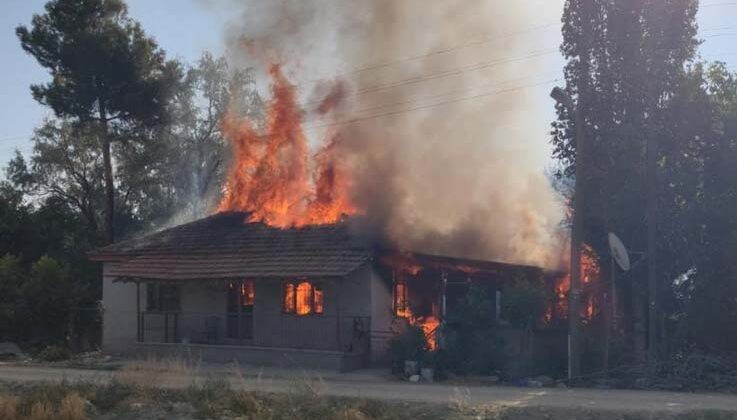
<point x="213" y="398"/>
<point x="73" y="407"/>
<point x="9" y="407"/>
<point x="41" y="410"/>
<point x="148" y="373"/>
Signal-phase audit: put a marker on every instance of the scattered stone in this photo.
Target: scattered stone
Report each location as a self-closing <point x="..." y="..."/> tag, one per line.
<point x="531" y="383"/>
<point x="414" y="378"/>
<point x="411" y="367"/>
<point x="545" y="380"/>
<point x="136" y="406"/>
<point x="561" y="385"/>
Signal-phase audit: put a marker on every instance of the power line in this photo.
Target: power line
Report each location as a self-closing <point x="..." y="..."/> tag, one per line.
<point x="442" y="74"/>
<point x="441" y="95"/>
<point x="440" y="51"/>
<point x="423" y="107"/>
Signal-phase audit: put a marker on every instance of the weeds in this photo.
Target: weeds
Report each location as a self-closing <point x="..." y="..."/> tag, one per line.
<point x="41" y="410"/>
<point x="8" y="407"/>
<point x="73" y="407"/>
<point x="147" y="373"/>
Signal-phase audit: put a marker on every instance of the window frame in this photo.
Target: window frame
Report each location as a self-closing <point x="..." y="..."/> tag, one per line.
<point x="159" y="304"/>
<point x="405" y="307"/>
<point x="240" y="291"/>
<point x="291" y="309"/>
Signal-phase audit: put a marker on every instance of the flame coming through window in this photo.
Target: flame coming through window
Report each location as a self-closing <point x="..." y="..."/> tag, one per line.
<point x="303" y="298"/>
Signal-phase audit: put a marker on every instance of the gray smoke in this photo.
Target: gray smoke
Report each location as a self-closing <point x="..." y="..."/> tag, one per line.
<point x="448" y="144"/>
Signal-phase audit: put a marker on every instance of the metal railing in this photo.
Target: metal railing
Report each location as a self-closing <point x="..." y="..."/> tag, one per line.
<point x="316" y="332"/>
<point x="195" y="328"/>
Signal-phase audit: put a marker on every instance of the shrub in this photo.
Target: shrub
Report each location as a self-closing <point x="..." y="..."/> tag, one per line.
<point x="523" y="303"/>
<point x="105" y="397"/>
<point x="245" y="403"/>
<point x="54" y="353"/>
<point x="409" y="344"/>
<point x="471" y="344"/>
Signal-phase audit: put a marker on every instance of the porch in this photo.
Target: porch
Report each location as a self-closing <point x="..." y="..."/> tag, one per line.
<point x="265" y="322"/>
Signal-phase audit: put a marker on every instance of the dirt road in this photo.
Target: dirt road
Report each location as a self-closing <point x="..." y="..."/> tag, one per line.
<point x="370" y="387"/>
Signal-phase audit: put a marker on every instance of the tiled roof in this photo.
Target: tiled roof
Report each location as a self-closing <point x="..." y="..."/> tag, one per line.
<point x="224" y="246"/>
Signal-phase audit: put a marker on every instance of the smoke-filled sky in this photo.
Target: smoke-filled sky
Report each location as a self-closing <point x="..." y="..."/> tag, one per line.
<point x="450" y="147"/>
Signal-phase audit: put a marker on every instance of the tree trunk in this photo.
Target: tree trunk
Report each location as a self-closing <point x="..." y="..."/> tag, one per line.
<point x="109" y="185"/>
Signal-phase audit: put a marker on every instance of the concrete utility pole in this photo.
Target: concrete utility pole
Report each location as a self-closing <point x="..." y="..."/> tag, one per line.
<point x="651" y="217"/>
<point x="574" y="294"/>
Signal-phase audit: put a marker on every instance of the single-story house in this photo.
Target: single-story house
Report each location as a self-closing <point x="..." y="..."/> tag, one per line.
<point x="318" y="296"/>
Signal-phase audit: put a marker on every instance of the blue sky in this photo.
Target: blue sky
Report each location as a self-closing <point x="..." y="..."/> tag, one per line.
<point x="184" y="28"/>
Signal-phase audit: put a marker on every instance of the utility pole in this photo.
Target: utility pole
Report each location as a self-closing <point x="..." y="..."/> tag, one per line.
<point x="574" y="294"/>
<point x="651" y="217"/>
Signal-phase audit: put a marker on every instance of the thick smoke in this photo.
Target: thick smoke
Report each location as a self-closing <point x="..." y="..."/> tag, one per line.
<point x="436" y="116"/>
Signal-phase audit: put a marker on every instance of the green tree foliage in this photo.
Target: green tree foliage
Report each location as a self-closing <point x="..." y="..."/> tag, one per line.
<point x="470" y="340"/>
<point x="123" y="111"/>
<point x="12" y="278"/>
<point x="48" y="296"/>
<point x="523" y="303"/>
<point x="36" y="303"/>
<point x="106" y="74"/>
<point x="704" y="201"/>
<point x="644" y="90"/>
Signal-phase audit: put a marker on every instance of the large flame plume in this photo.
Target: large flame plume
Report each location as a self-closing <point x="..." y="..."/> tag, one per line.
<point x="271" y="176"/>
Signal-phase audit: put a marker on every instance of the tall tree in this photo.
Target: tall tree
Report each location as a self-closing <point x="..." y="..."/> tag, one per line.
<point x="106" y="73"/>
<point x="639" y="49"/>
<point x="212" y="89"/>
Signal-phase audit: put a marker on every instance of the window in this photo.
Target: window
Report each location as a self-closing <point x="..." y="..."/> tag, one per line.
<point x="319" y="303"/>
<point x="242" y="294"/>
<point x="401" y="301"/>
<point x="289" y="294"/>
<point x="303" y="298"/>
<point x="162" y="297"/>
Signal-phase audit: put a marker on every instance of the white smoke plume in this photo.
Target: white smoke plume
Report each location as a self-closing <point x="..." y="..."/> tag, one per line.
<point x="442" y="120"/>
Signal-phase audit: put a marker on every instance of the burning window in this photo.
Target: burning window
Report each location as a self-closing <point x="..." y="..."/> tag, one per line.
<point x="242" y="294"/>
<point x="248" y="294"/>
<point x="162" y="297"/>
<point x="303" y="298"/>
<point x="319" y="303"/>
<point x="401" y="300"/>
<point x="289" y="295"/>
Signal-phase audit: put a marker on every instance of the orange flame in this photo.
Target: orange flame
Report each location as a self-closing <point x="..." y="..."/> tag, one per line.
<point x="271" y="176"/>
<point x="590" y="272"/>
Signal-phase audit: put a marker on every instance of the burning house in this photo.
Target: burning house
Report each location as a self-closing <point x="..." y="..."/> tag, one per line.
<point x="318" y="295"/>
<point x="300" y="263"/>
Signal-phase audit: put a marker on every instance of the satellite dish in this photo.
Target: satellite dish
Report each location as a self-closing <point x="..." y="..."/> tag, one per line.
<point x="619" y="252"/>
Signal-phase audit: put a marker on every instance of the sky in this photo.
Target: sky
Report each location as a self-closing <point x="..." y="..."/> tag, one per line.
<point x="185" y="28"/>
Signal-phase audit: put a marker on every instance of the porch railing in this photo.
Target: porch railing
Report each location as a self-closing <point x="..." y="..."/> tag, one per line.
<point x="318" y="332"/>
<point x="196" y="328"/>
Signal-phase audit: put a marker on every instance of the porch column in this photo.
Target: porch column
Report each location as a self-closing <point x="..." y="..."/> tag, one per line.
<point x="139" y="330"/>
<point x="337" y="313"/>
<point x="239" y="304"/>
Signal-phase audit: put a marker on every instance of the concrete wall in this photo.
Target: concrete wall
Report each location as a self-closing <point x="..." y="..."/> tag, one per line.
<point x="119" y="313"/>
<point x="382" y="316"/>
